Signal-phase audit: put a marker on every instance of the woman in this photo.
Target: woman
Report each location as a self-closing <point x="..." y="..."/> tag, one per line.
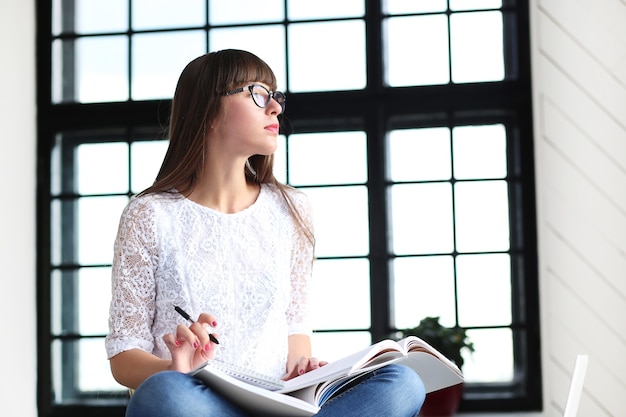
<point x="219" y="236"/>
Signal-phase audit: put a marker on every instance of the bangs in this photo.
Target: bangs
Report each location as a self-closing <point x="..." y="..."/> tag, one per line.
<point x="240" y="67"/>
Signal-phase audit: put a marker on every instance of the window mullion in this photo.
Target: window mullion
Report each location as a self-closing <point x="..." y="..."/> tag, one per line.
<point x="68" y="51"/>
<point x="379" y="248"/>
<point x="374" y="41"/>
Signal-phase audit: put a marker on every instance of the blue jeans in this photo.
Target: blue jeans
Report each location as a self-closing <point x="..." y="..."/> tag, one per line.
<point x="391" y="391"/>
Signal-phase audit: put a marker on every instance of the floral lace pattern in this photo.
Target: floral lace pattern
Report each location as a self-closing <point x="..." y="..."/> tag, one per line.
<point x="249" y="269"/>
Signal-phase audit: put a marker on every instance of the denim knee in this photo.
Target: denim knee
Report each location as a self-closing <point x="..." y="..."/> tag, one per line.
<point x="390" y="391"/>
<point x="159" y="395"/>
<point x="405" y="388"/>
<point x="175" y="394"/>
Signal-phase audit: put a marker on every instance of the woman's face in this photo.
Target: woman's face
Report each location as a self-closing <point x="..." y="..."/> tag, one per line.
<point x="243" y="128"/>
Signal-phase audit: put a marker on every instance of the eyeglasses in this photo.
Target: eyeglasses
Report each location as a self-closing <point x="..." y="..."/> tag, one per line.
<point x="261" y="95"/>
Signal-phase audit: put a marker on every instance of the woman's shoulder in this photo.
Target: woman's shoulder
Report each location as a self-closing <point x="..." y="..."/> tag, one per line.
<point x="280" y="192"/>
<point x="144" y="204"/>
<point x="292" y="202"/>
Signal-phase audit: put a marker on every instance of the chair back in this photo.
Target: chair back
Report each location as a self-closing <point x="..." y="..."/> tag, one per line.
<point x="576" y="386"/>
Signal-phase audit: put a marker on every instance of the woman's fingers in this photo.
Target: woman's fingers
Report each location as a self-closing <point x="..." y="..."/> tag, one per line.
<point x="209" y="319"/>
<point x="191" y="346"/>
<point x="188" y="350"/>
<point x="171" y="341"/>
<point x="308" y="364"/>
<point x="205" y="326"/>
<point x="185" y="334"/>
<point x="304" y="365"/>
<point x="181" y="349"/>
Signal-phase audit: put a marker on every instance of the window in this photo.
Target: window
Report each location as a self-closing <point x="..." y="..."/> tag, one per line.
<point x="408" y="125"/>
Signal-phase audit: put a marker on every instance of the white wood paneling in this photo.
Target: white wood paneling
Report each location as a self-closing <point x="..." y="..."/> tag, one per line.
<point x="579" y="96"/>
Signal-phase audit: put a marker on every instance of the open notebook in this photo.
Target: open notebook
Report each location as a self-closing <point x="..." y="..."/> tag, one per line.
<point x="576" y="386"/>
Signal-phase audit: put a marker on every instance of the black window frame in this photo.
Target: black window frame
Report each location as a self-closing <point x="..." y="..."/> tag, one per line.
<point x="374" y="110"/>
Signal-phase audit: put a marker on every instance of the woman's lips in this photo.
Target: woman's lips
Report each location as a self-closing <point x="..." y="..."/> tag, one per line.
<point x="272" y="128"/>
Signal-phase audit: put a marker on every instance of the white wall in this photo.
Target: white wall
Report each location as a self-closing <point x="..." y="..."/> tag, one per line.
<point x="17" y="212"/>
<point x="579" y="93"/>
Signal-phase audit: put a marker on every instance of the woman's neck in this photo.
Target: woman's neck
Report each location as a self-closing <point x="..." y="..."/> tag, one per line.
<point x="226" y="192"/>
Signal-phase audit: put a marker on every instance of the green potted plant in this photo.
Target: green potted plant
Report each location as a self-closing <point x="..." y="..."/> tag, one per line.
<point x="450" y="341"/>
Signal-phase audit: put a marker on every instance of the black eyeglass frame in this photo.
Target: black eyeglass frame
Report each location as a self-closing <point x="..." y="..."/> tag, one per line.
<point x="278" y="96"/>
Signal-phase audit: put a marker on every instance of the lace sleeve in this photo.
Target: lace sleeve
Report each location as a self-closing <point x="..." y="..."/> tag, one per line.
<point x="301" y="270"/>
<point x="133" y="286"/>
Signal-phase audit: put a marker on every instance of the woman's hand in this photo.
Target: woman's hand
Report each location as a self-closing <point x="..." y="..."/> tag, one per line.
<point x="191" y="346"/>
<point x="302" y="366"/>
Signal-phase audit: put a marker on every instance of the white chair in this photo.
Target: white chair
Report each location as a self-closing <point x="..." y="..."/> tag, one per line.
<point x="576" y="386"/>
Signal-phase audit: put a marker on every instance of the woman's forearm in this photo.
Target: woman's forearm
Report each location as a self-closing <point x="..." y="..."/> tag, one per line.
<point x="132" y="367"/>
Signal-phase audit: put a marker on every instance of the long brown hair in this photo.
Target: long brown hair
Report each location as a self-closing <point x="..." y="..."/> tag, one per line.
<point x="197" y="102"/>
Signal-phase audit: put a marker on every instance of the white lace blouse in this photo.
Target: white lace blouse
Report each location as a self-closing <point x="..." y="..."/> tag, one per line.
<point x="249" y="269"/>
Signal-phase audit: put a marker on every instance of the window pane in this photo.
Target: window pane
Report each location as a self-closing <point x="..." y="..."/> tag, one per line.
<point x="146" y="158"/>
<point x="327" y="56"/>
<point x="267" y="42"/>
<point x="419" y="154"/>
<point x="412" y="6"/>
<point x="101" y="69"/>
<point x="56" y="166"/>
<point x="77" y="168"/>
<point x="154" y="77"/>
<point x="98" y="72"/>
<point x="59" y="83"/>
<point x="90" y="372"/>
<point x="340" y="220"/>
<point x="224" y="12"/>
<point x="97" y="221"/>
<point x="482" y="216"/>
<point x="479" y="152"/>
<point x="421" y="218"/>
<point x="57" y="17"/>
<point x="332" y="281"/>
<point x="94" y="288"/>
<point x="165" y="14"/>
<point x="475" y="4"/>
<point x="343" y="155"/>
<point x="101" y="16"/>
<point x="94" y="374"/>
<point x="280" y="159"/>
<point x="416" y="50"/>
<point x="102" y="168"/>
<point x="477" y="47"/>
<point x="80" y="300"/>
<point x="423" y="286"/>
<point x="84" y="229"/>
<point x="325" y="9"/>
<point x="475" y="273"/>
<point x="493" y="359"/>
<point x="61" y="221"/>
<point x="61" y="283"/>
<point x="333" y="346"/>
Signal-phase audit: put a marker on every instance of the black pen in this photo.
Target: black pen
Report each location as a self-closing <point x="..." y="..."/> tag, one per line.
<point x="185" y="315"/>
